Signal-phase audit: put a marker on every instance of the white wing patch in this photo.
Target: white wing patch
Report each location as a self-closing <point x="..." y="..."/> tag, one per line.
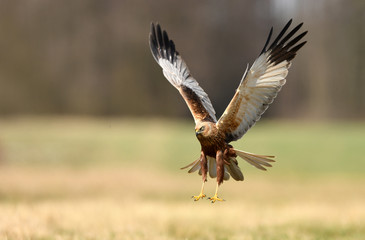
<point x="178" y="74"/>
<point x="260" y="85"/>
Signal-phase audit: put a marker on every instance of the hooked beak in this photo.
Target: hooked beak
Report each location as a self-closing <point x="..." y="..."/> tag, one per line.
<point x="197" y="132"/>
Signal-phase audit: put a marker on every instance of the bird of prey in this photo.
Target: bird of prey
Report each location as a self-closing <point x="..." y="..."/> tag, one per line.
<point x="257" y="89"/>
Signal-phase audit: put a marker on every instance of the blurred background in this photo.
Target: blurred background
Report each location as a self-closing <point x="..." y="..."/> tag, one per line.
<point x="92" y="135"/>
<point x="93" y="58"/>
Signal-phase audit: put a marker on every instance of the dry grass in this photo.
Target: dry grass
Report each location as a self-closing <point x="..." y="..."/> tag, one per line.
<point x="134" y="204"/>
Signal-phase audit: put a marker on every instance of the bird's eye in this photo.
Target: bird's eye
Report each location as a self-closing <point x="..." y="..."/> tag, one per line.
<point x="202" y="128"/>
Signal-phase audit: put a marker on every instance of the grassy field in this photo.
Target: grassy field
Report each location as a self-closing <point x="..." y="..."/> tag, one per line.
<point x="75" y="178"/>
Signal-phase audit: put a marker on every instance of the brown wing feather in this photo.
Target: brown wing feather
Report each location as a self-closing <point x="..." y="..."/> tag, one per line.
<point x="260" y="85"/>
<point x="178" y="74"/>
<point x="195" y="104"/>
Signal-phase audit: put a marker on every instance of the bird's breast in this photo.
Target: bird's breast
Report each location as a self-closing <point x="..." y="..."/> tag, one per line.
<point x="210" y="145"/>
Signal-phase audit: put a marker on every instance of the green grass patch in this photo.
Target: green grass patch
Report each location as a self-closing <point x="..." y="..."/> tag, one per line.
<point x="308" y="148"/>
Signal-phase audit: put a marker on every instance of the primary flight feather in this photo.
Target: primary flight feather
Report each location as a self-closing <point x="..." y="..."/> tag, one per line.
<point x="259" y="86"/>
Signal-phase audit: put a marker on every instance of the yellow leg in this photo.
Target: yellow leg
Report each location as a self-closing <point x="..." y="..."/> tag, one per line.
<point x="215" y="197"/>
<point x="201" y="195"/>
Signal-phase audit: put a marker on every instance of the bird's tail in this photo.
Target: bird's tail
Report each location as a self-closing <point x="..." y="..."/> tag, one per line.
<point x="258" y="161"/>
<point x="234" y="170"/>
<point x="194" y="166"/>
<point x="212" y="168"/>
<point x="230" y="168"/>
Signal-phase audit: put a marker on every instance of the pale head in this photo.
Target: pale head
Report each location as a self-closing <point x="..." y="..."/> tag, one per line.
<point x="203" y="129"/>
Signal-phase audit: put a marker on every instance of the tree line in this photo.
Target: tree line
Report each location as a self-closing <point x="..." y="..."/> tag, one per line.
<point x="92" y="57"/>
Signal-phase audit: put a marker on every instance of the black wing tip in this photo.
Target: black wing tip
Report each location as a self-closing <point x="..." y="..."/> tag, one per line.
<point x="267" y="40"/>
<point x="282" y="32"/>
<point x="153" y="42"/>
<point x="299" y="46"/>
<point x="160" y="44"/>
<point x="286" y="48"/>
<point x="305" y="33"/>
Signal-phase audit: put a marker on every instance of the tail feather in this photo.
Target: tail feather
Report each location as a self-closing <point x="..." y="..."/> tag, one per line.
<point x="267" y="157"/>
<point x="254" y="164"/>
<point x="234" y="169"/>
<point x="212" y="168"/>
<point x="259" y="161"/>
<point x="191" y="164"/>
<point x="195" y="166"/>
<point x="226" y="174"/>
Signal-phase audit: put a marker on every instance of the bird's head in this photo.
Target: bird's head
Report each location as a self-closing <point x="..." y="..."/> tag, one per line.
<point x="202" y="129"/>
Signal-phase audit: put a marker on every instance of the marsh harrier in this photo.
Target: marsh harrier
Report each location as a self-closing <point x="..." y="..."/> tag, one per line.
<point x="259" y="86"/>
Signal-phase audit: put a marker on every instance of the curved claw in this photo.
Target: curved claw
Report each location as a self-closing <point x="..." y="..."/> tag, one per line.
<point x="215" y="198"/>
<point x="201" y="195"/>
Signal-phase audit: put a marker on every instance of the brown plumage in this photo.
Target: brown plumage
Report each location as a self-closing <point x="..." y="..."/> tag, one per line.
<point x="259" y="86"/>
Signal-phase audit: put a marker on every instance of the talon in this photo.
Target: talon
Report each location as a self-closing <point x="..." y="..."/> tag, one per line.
<point x="215" y="198"/>
<point x="201" y="195"/>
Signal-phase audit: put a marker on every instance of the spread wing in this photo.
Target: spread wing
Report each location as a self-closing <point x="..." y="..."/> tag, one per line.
<point x="260" y="85"/>
<point x="178" y="74"/>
